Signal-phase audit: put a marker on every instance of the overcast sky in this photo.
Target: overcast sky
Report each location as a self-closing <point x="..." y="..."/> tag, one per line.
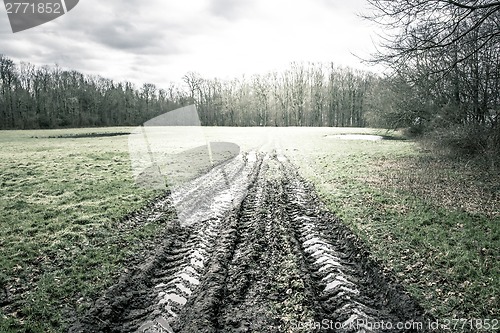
<point x="158" y="41"/>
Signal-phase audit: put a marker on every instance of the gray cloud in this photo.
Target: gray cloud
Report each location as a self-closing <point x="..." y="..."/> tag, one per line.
<point x="102" y="23"/>
<point x="230" y="9"/>
<point x="130" y="26"/>
<point x="124" y="35"/>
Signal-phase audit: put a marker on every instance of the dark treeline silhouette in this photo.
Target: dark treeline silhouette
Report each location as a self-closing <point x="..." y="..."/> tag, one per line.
<point x="49" y="97"/>
<point x="303" y="95"/>
<point x="313" y="94"/>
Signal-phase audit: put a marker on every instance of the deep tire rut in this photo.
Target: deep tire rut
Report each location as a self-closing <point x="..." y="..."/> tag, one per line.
<point x="254" y="250"/>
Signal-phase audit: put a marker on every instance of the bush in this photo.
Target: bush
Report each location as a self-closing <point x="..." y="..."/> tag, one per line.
<point x="414" y="131"/>
<point x="466" y="141"/>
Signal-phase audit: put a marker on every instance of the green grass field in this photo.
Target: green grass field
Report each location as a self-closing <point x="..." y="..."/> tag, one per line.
<point x="434" y="222"/>
<point x="61" y="242"/>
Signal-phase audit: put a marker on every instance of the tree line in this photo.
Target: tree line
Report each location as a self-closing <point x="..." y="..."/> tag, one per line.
<point x="313" y="94"/>
<point x="49" y="97"/>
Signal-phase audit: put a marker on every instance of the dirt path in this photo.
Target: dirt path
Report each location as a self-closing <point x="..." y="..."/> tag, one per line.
<point x="253" y="250"/>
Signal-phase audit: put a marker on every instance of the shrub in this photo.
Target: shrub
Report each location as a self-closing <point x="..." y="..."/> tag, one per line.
<point x="465" y="141"/>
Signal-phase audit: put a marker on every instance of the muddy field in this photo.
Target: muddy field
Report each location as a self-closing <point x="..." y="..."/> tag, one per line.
<point x="253" y="250"/>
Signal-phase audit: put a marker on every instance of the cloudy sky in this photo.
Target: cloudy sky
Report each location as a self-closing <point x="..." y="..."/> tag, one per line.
<point x="158" y="41"/>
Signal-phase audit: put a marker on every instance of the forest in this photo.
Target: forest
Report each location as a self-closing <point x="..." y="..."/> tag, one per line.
<point x="48" y="97"/>
<point x="303" y="95"/>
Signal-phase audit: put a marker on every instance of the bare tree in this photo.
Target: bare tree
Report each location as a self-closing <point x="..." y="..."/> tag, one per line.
<point x="415" y="28"/>
<point x="445" y="56"/>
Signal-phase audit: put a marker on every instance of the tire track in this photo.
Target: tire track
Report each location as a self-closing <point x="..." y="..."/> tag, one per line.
<point x="213" y="194"/>
<point x="174" y="288"/>
<point x="254" y="250"/>
<point x="354" y="293"/>
<point x="257" y="277"/>
<point x="340" y="295"/>
<point x="223" y="187"/>
<point x="150" y="297"/>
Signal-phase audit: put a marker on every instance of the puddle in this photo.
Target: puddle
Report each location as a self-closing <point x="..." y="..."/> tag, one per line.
<point x="367" y="137"/>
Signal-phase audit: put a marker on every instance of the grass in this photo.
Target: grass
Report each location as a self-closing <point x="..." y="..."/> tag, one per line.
<point x="434" y="222"/>
<point x="62" y="203"/>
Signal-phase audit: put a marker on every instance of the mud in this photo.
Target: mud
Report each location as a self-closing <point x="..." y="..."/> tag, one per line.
<point x="253" y="250"/>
